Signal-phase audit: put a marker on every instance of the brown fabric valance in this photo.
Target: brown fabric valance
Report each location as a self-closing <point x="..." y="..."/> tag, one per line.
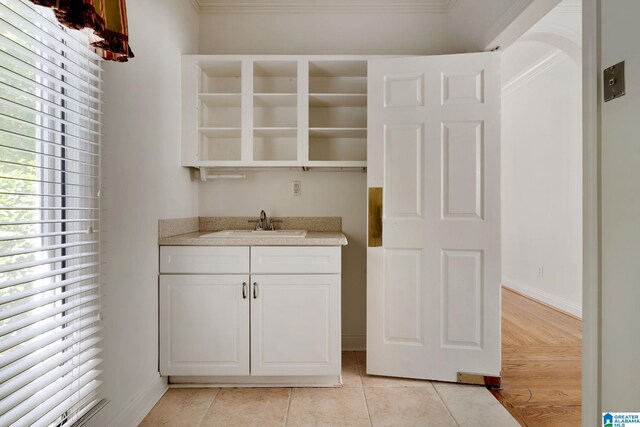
<point x="107" y="19"/>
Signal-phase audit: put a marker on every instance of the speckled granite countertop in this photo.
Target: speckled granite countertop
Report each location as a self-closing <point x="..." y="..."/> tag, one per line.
<point x="321" y="231"/>
<point x="313" y="238"/>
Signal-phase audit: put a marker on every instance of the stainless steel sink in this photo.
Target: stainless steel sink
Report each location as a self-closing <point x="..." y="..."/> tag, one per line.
<point x="258" y="233"/>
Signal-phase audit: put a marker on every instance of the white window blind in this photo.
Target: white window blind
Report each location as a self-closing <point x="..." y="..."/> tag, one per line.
<point x="49" y="219"/>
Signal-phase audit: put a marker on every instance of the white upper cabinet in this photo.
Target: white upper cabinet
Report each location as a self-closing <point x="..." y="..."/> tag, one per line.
<point x="274" y="111"/>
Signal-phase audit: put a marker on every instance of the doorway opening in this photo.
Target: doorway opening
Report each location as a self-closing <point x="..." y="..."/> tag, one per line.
<point x="542" y="221"/>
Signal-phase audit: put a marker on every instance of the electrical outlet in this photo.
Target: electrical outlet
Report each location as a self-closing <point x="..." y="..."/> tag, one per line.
<point x="540" y="271"/>
<point x="296" y="188"/>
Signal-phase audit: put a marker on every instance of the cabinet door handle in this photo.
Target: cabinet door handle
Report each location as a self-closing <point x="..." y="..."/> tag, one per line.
<point x="244" y="290"/>
<point x="255" y="290"/>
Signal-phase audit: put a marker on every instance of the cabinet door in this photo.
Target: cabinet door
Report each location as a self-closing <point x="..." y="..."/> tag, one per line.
<point x="295" y="324"/>
<point x="204" y="325"/>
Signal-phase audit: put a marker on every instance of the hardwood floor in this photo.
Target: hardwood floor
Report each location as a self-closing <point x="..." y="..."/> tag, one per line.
<point x="541" y="363"/>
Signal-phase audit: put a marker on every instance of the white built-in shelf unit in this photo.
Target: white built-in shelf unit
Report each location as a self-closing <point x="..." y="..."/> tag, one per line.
<point x="274" y="111"/>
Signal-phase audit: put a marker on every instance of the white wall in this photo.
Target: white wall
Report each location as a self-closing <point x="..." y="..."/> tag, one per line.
<point x="324" y="193"/>
<point x="143" y="181"/>
<point x="542" y="167"/>
<point x="472" y="23"/>
<point x="323" y="33"/>
<point x="620" y="213"/>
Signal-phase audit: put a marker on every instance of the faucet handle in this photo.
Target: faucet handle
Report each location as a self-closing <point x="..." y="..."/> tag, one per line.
<point x="254" y="221"/>
<point x="272" y="222"/>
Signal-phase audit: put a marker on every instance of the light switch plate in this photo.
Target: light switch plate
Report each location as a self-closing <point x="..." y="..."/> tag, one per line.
<point x="613" y="84"/>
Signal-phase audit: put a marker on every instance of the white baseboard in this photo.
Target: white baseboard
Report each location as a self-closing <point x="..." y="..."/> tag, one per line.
<point x="552" y="300"/>
<point x="354" y="342"/>
<point x="139" y="407"/>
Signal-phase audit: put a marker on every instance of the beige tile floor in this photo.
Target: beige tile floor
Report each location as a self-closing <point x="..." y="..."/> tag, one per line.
<point x="364" y="400"/>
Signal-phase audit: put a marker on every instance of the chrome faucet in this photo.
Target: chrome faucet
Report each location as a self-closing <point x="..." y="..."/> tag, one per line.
<point x="263" y="223"/>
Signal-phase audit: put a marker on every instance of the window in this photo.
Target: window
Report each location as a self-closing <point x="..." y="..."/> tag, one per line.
<point x="49" y="219"/>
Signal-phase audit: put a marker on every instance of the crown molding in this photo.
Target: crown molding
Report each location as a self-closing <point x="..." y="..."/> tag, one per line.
<point x="326" y="6"/>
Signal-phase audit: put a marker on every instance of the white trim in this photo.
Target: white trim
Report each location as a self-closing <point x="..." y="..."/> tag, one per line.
<point x="517" y="20"/>
<point x="591" y="125"/>
<point x="327" y="6"/>
<point x="141" y="404"/>
<point x="541" y="66"/>
<point x="354" y="342"/>
<point x="553" y="29"/>
<point x="544" y="297"/>
<point x="564" y="39"/>
<point x="506" y="19"/>
<point x="256" y="381"/>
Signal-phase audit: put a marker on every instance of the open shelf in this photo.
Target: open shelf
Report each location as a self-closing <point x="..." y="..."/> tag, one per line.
<point x="337" y="100"/>
<point x="220" y="99"/>
<point x="275" y="117"/>
<point x="220" y="76"/>
<point x="219" y="110"/>
<point x="275" y="77"/>
<point x="274" y="147"/>
<point x="337" y="132"/>
<point x="338" y="77"/>
<point x="275" y="100"/>
<point x="337" y="113"/>
<point x="212" y="115"/>
<point x="220" y="144"/>
<point x="220" y="132"/>
<point x="337" y="149"/>
<point x="255" y="120"/>
<point x="338" y="117"/>
<point x="273" y="132"/>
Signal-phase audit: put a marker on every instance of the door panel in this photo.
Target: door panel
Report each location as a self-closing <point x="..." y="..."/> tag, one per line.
<point x="433" y="288"/>
<point x="462" y="151"/>
<point x="204" y="325"/>
<point x="403" y="296"/>
<point x="462" y="298"/>
<point x="295" y="324"/>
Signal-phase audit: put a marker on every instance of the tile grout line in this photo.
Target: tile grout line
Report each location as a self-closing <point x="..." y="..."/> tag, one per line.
<point x="366" y="404"/>
<point x="445" y="405"/>
<point x="286" y="417"/>
<point x="208" y="407"/>
<point x="358" y="366"/>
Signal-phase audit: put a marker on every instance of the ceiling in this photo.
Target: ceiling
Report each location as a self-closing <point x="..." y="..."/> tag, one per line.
<point x="323" y="6"/>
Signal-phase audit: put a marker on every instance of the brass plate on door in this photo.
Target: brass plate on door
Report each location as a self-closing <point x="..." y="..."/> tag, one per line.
<point x="375" y="217"/>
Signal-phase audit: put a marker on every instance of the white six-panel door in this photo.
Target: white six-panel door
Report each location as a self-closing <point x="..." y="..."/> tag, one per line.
<point x="433" y="293"/>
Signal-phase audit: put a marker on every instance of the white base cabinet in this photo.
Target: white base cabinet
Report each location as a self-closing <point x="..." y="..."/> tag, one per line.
<point x="295" y="324"/>
<point x="204" y="324"/>
<point x="258" y="325"/>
